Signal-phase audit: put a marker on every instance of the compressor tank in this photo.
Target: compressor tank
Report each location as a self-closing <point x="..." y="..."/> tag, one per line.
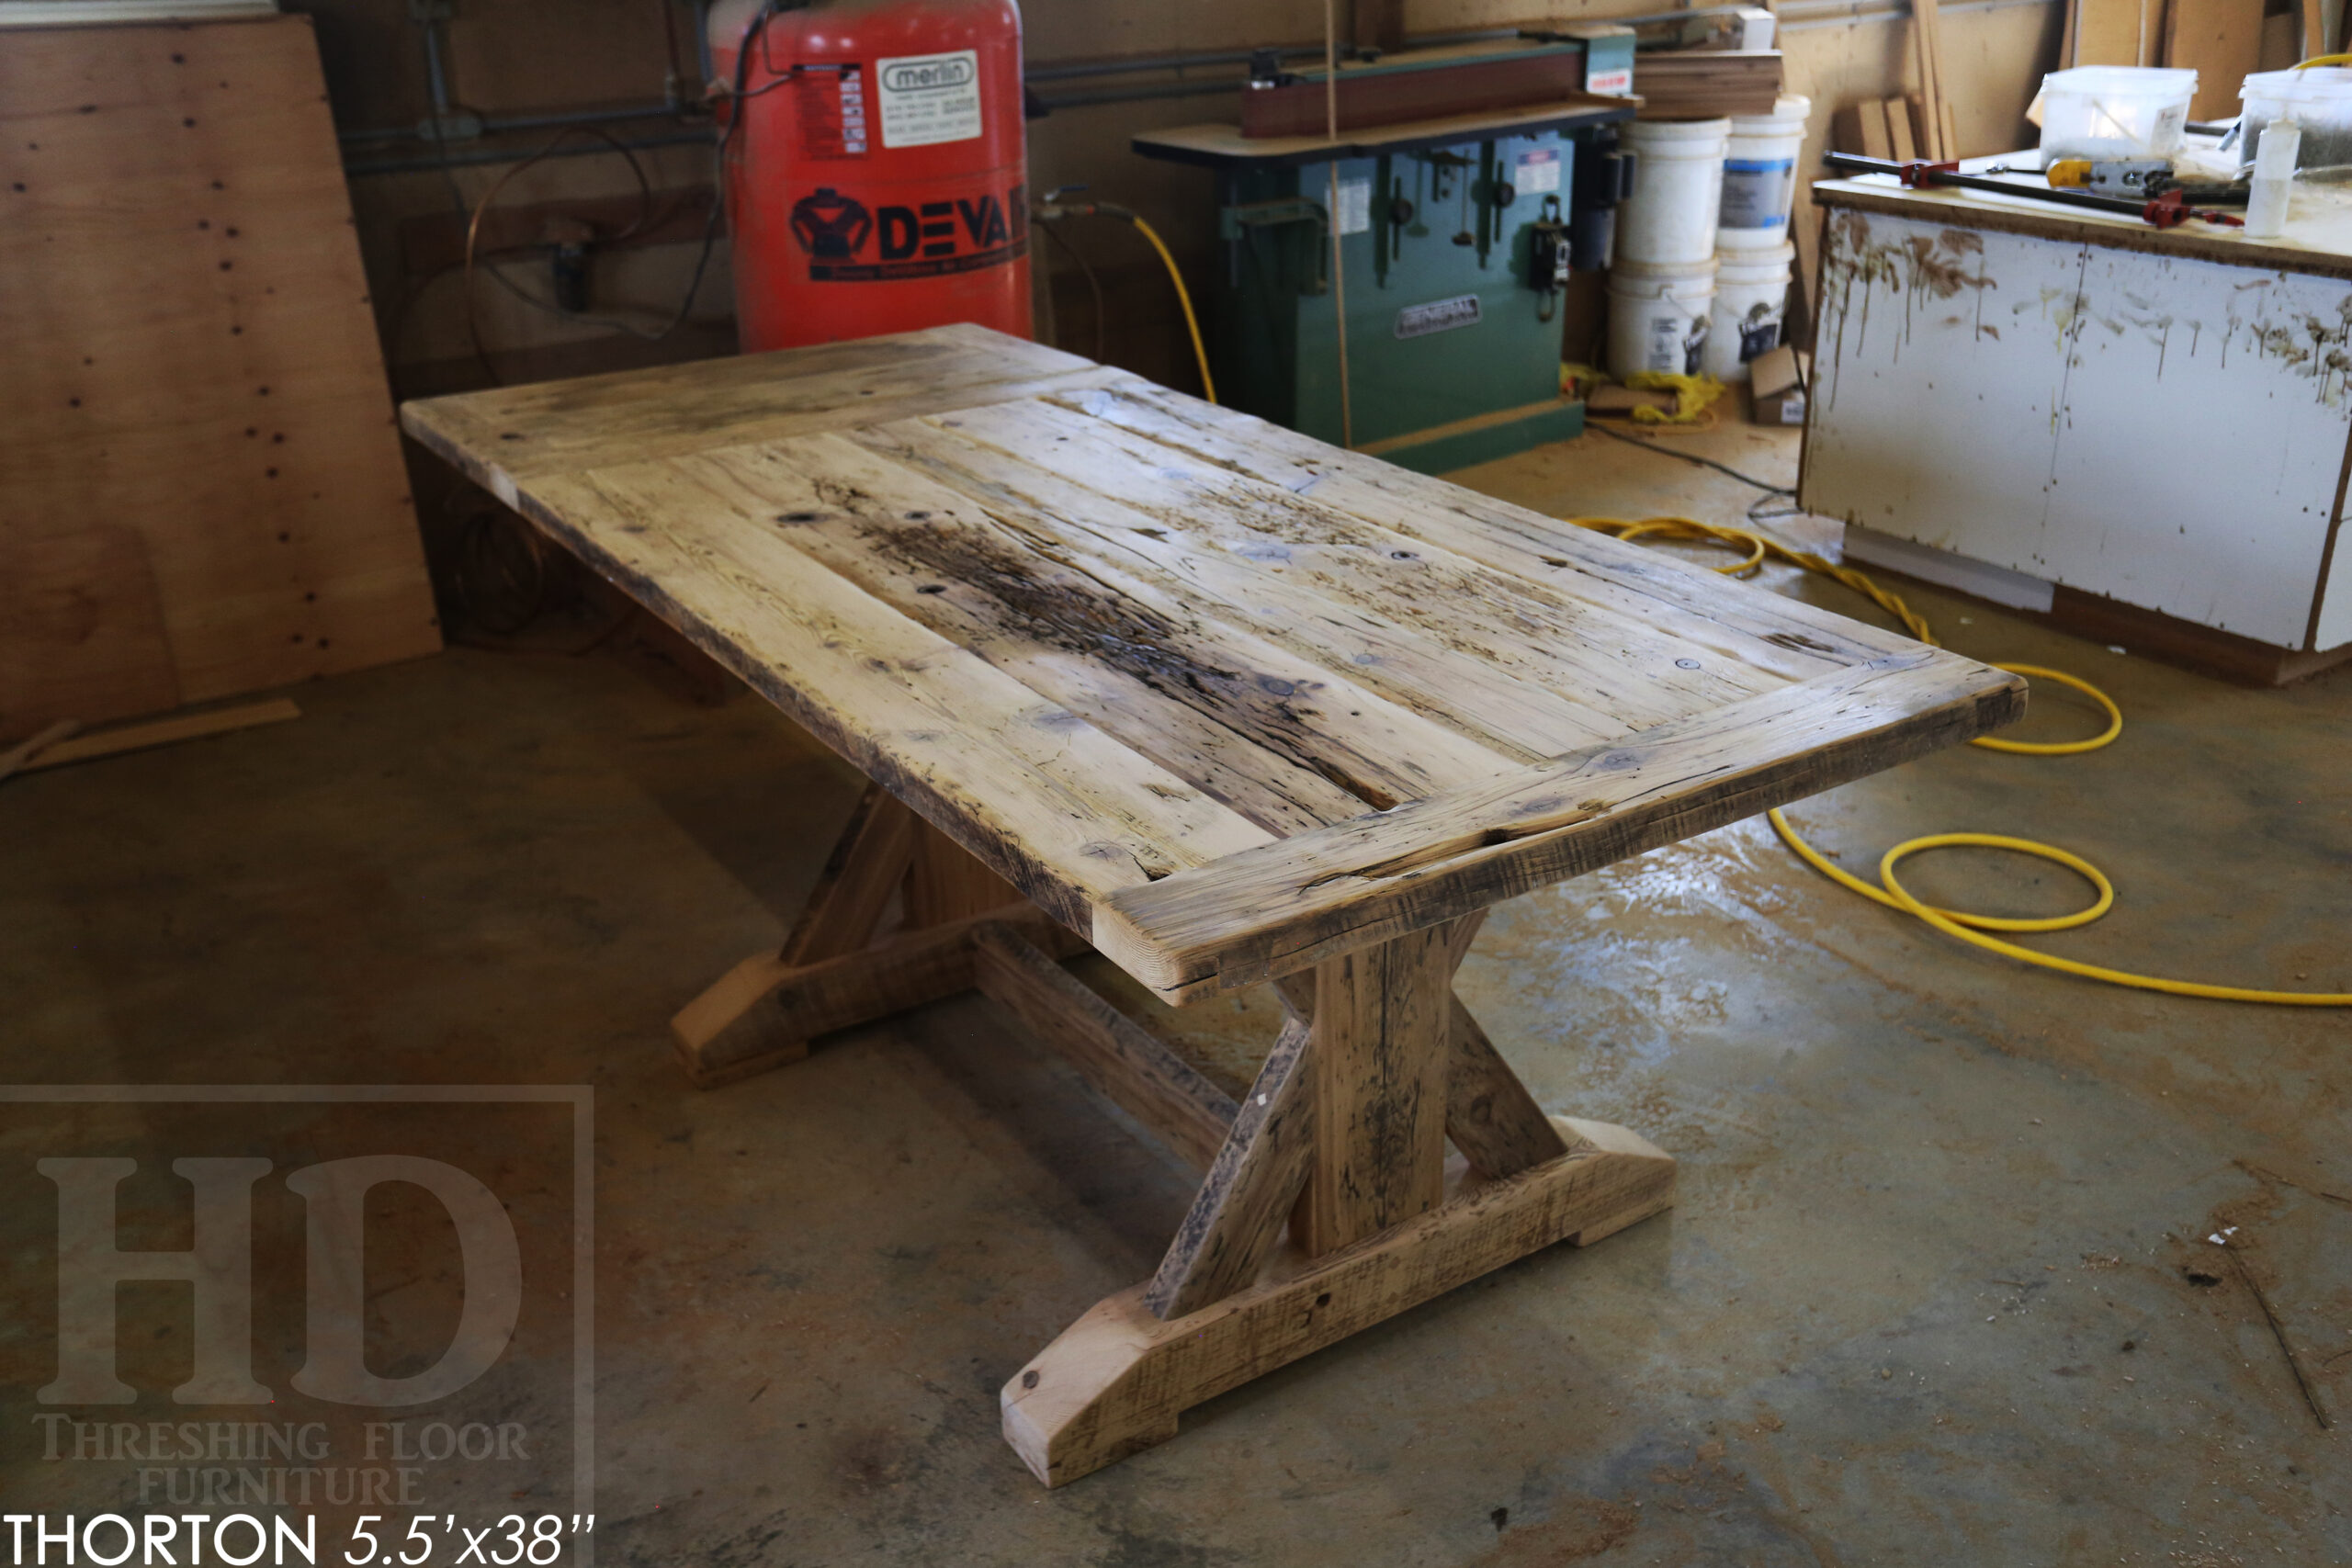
<point x="876" y="182"/>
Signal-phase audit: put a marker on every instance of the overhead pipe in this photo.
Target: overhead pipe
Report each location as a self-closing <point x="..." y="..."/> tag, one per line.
<point x="1795" y="16"/>
<point x="428" y="162"/>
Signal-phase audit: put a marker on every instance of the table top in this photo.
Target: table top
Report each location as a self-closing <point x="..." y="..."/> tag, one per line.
<point x="2318" y="238"/>
<point x="1222" y="146"/>
<point x="1226" y="700"/>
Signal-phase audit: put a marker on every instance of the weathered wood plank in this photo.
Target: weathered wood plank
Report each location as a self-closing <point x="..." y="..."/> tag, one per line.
<point x="853" y="890"/>
<point x="725" y="1033"/>
<point x="1061" y="810"/>
<point x="944" y="882"/>
<point x="1271" y="910"/>
<point x="1784" y="637"/>
<point x="1284" y="742"/>
<point x="1117" y="1057"/>
<point x="1620" y="665"/>
<point x="507" y="436"/>
<point x="1237" y="1216"/>
<point x="1489" y="1114"/>
<point x="1400" y="655"/>
<point x="1115" y="1381"/>
<point x="798" y="1004"/>
<point x="1377" y="1061"/>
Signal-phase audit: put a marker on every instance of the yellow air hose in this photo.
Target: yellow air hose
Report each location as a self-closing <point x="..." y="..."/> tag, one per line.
<point x="1061" y="203"/>
<point x="1968" y="928"/>
<point x="1184" y="298"/>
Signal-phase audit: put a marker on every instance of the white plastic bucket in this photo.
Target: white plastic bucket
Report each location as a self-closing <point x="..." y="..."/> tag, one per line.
<point x="2115" y="111"/>
<point x="1670" y="220"/>
<point x="1761" y="176"/>
<point x="1751" y="303"/>
<point x="1658" y="316"/>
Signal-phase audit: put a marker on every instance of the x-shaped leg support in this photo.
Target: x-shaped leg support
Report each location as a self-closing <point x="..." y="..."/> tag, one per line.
<point x="1329" y="1201"/>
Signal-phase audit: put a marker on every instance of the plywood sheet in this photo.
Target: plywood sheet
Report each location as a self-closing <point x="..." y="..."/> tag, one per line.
<point x="2107" y="32"/>
<point x="2221" y="39"/>
<point x="81" y="633"/>
<point x="191" y="353"/>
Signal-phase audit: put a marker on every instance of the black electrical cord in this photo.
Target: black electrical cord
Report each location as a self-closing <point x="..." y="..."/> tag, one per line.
<point x="1092" y="282"/>
<point x="754" y="33"/>
<point x="1691" y="457"/>
<point x="473" y="233"/>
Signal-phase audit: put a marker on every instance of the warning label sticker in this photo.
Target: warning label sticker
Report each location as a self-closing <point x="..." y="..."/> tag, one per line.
<point x="927" y="98"/>
<point x="1356" y="206"/>
<point x="1538" y="171"/>
<point x="833" y="113"/>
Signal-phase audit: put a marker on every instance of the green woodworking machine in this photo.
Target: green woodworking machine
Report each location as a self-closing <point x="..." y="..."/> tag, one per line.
<point x="1453" y="243"/>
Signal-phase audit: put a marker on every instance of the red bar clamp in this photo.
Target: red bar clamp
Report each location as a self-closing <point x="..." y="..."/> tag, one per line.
<point x="1916" y="172"/>
<point x="2172" y="209"/>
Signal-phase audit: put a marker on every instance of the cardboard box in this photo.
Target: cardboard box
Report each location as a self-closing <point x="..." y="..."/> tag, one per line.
<point x="1776" y="383"/>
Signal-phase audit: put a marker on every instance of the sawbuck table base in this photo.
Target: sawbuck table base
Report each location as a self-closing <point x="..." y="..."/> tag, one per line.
<point x="1328" y="1201"/>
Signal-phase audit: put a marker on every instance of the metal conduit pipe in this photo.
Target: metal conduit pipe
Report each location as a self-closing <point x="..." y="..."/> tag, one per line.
<point x="428" y="162"/>
<point x="505" y="124"/>
<point x="1795" y="16"/>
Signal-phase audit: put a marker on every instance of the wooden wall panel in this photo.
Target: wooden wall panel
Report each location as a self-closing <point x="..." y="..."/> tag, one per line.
<point x="192" y="358"/>
<point x="2221" y="39"/>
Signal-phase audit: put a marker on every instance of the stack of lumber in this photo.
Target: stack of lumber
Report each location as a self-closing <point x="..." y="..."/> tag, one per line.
<point x="1707" y="83"/>
<point x="201" y="489"/>
<point x="1918" y="124"/>
<point x="2114" y="32"/>
<point x="1933" y="132"/>
<point x="2221" y="39"/>
<point x="1889" y="128"/>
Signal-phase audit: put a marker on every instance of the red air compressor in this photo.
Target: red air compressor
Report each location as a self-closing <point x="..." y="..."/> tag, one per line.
<point x="876" y="181"/>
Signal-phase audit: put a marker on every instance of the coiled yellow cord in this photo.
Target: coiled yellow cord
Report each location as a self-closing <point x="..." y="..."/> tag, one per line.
<point x="1965" y="927"/>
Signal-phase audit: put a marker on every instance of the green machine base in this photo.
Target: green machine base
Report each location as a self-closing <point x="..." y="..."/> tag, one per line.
<point x="1483" y="438"/>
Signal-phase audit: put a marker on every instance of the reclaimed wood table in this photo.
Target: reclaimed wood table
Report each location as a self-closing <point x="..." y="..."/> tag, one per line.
<point x="1231" y="706"/>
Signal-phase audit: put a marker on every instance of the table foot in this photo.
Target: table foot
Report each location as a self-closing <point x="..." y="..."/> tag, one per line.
<point x="763" y="1012"/>
<point x="1115" y="1381"/>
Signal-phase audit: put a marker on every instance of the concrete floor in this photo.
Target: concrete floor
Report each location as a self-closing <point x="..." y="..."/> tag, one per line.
<point x="1937" y="1289"/>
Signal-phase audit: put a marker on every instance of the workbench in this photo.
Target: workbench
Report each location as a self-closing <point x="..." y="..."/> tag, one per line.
<point x="2142" y="433"/>
<point x="1230" y="706"/>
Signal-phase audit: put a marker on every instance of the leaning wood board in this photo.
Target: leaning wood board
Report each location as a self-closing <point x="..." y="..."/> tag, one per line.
<point x="1227" y="701"/>
<point x="201" y="489"/>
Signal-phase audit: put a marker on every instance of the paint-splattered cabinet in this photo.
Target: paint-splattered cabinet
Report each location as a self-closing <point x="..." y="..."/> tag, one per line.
<point x="2051" y="410"/>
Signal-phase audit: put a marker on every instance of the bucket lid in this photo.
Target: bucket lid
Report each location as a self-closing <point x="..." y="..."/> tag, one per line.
<point x="2128" y="80"/>
<point x="1788" y="108"/>
<point x="2330" y="82"/>
<point x="1668" y="130"/>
